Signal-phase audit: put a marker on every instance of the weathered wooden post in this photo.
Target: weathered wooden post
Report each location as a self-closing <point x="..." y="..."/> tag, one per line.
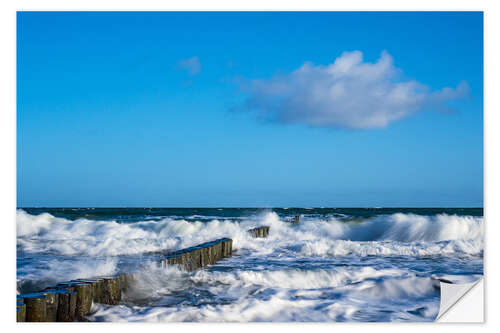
<point x="84" y="299"/>
<point x="182" y="259"/>
<point x="187" y="256"/>
<point x="123" y="281"/>
<point x="67" y="305"/>
<point x="195" y="257"/>
<point x="204" y="255"/>
<point x="188" y="260"/>
<point x="212" y="253"/>
<point x="226" y="247"/>
<point x="51" y="303"/>
<point x="20" y="312"/>
<point x="230" y="242"/>
<point x="199" y="250"/>
<point x="35" y="307"/>
<point x="97" y="287"/>
<point x="223" y="247"/>
<point x="218" y="247"/>
<point x="111" y="291"/>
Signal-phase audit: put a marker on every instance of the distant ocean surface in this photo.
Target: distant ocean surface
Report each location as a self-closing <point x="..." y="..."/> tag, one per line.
<point x="337" y="264"/>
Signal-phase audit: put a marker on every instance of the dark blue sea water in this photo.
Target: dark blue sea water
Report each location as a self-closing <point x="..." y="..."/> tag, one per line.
<point x="337" y="264"/>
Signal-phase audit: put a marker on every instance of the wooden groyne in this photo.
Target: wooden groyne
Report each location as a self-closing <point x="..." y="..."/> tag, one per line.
<point x="200" y="255"/>
<point x="260" y="232"/>
<point x="72" y="300"/>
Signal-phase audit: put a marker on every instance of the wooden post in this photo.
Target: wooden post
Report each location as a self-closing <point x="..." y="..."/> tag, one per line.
<point x="190" y="260"/>
<point x="182" y="259"/>
<point x="97" y="287"/>
<point x="196" y="257"/>
<point x="20" y="312"/>
<point x="218" y="250"/>
<point x="205" y="255"/>
<point x="69" y="300"/>
<point x="35" y="307"/>
<point x="230" y="242"/>
<point x="84" y="299"/>
<point x="224" y="247"/>
<point x="123" y="282"/>
<point x="211" y="253"/>
<point x="51" y="303"/>
<point x="228" y="247"/>
<point x="111" y="291"/>
<point x="66" y="304"/>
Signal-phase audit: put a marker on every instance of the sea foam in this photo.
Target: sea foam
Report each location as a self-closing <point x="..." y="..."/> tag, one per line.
<point x="398" y="234"/>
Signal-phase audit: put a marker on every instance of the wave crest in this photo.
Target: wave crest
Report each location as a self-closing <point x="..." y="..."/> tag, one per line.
<point x="396" y="234"/>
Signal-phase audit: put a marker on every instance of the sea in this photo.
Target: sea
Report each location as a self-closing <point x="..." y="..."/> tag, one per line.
<point x="335" y="265"/>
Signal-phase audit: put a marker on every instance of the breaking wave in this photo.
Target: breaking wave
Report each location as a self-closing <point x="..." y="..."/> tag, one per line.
<point x="396" y="234"/>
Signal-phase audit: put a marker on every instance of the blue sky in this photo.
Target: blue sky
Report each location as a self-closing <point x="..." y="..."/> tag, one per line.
<point x="250" y="109"/>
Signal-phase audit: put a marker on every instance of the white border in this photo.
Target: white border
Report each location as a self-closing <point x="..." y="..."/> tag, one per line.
<point x="8" y="150"/>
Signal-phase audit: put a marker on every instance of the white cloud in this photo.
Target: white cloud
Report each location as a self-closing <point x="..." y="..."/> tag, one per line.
<point x="192" y="65"/>
<point x="348" y="93"/>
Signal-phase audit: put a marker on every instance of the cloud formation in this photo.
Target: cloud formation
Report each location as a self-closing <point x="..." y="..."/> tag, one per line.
<point x="191" y="65"/>
<point x="348" y="93"/>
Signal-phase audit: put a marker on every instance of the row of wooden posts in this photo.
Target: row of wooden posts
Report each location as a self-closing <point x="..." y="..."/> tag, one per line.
<point x="259" y="232"/>
<point x="200" y="255"/>
<point x="72" y="300"/>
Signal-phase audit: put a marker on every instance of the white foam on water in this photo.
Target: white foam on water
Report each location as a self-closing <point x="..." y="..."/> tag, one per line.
<point x="396" y="234"/>
<point x="49" y="272"/>
<point x="293" y="279"/>
<point x="154" y="281"/>
<point x="345" y="294"/>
